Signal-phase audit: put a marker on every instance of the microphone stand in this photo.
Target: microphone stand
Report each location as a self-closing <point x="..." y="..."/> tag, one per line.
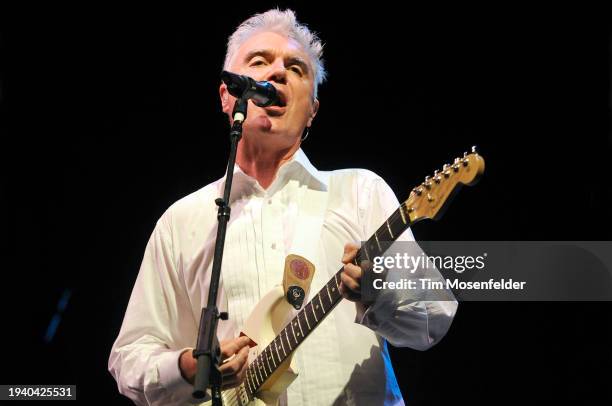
<point x="208" y="351"/>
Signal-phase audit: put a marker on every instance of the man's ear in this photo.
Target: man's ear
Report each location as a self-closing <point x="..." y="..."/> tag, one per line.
<point x="225" y="99"/>
<point x="313" y="112"/>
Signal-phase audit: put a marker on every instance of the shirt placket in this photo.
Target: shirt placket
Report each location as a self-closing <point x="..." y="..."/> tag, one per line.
<point x="273" y="246"/>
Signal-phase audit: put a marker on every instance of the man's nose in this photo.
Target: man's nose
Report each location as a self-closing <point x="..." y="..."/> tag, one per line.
<point x="277" y="73"/>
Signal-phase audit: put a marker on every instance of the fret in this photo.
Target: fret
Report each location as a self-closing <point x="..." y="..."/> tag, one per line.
<point x="384" y="234"/>
<point x="258" y="377"/>
<point x="313" y="312"/>
<point x="287" y="339"/>
<point x="389" y="229"/>
<point x="271" y="355"/>
<point x="328" y="294"/>
<point x="253" y="374"/>
<point x="297" y="324"/>
<point x="306" y="317"/>
<point x="377" y="242"/>
<point x="249" y="379"/>
<point x="294" y="339"/>
<point x="398" y="226"/>
<point x="323" y="302"/>
<point x="317" y="307"/>
<point x="336" y="277"/>
<point x="401" y="212"/>
<point x="320" y="301"/>
<point x="256" y="362"/>
<point x="365" y="250"/>
<point x="267" y="357"/>
<point x="334" y="292"/>
<point x="372" y="247"/>
<point x="275" y="344"/>
<point x="262" y="370"/>
<point x="304" y="326"/>
<point x="282" y="345"/>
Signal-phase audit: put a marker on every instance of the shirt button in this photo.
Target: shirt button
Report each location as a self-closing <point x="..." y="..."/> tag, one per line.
<point x="270" y="201"/>
<point x="274" y="246"/>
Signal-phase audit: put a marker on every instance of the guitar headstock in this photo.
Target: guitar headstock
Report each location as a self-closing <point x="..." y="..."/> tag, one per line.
<point x="428" y="200"/>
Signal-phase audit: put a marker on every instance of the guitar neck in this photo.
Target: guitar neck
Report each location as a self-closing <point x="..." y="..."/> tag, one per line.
<point x="311" y="315"/>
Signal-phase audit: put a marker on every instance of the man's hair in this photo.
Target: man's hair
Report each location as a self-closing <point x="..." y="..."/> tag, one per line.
<point x="284" y="23"/>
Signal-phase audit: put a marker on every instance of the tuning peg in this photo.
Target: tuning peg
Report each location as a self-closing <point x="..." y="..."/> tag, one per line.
<point x="474" y="149"/>
<point x="446" y="170"/>
<point x="436" y="177"/>
<point x="418" y="191"/>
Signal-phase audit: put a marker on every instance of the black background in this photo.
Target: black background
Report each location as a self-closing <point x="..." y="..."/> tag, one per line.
<point x="110" y="116"/>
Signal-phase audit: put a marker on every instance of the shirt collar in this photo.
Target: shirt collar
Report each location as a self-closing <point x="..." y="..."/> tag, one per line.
<point x="298" y="168"/>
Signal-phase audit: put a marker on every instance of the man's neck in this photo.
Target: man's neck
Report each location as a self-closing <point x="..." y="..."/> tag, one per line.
<point x="262" y="164"/>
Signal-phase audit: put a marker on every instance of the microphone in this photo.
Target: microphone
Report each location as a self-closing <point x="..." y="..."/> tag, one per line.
<point x="263" y="93"/>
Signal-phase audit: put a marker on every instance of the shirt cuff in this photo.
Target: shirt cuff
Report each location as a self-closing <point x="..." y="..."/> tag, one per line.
<point x="171" y="379"/>
<point x="375" y="314"/>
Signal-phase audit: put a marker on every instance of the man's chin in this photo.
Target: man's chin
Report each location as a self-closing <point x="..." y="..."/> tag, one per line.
<point x="262" y="123"/>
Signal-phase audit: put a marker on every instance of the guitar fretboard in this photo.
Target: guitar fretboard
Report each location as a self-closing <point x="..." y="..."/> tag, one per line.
<point x="309" y="317"/>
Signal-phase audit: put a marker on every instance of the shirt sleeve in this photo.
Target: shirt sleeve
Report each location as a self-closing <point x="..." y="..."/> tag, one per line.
<point x="144" y="359"/>
<point x="402" y="317"/>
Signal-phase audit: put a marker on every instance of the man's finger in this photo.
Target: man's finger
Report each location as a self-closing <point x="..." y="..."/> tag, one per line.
<point x="230" y="347"/>
<point x="353" y="271"/>
<point x="350" y="250"/>
<point x="349" y="294"/>
<point x="233" y="366"/>
<point x="349" y="282"/>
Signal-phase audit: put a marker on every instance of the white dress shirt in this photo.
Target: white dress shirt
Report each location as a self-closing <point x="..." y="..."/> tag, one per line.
<point x="172" y="288"/>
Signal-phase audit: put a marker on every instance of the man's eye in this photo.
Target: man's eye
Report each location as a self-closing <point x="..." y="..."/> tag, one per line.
<point x="296" y="69"/>
<point x="257" y="62"/>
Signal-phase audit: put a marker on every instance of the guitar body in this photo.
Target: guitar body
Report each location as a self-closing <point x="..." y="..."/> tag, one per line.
<point x="272" y="371"/>
<point x="265" y="322"/>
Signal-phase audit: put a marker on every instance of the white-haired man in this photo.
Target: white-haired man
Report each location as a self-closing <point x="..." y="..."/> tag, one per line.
<point x="345" y="360"/>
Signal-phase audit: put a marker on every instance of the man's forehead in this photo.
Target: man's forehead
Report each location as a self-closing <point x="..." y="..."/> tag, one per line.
<point x="271" y="43"/>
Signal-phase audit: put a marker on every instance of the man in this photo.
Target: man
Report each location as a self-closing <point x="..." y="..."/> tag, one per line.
<point x="345" y="360"/>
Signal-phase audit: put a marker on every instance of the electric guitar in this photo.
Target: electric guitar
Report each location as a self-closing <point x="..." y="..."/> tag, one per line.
<point x="269" y="373"/>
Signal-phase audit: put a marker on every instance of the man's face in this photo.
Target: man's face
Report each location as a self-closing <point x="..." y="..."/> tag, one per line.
<point x="282" y="61"/>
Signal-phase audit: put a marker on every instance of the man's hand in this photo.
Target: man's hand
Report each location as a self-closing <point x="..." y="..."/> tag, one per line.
<point x="350" y="286"/>
<point x="233" y="370"/>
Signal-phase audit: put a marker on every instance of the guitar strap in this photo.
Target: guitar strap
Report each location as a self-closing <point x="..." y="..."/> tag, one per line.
<point x="302" y="261"/>
<point x="318" y="358"/>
